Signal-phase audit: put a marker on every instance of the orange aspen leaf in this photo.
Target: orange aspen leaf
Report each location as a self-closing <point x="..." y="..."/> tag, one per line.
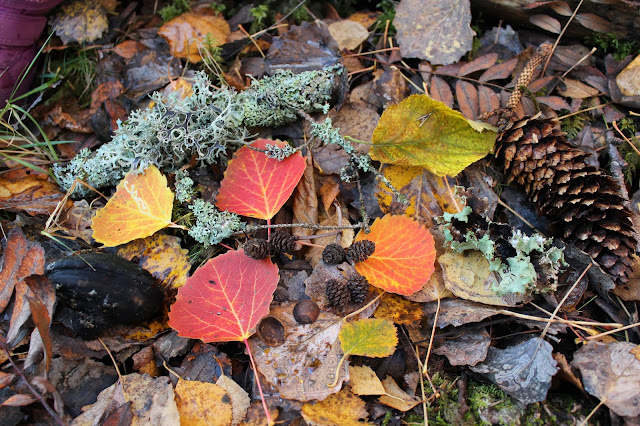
<point x="140" y="207"/>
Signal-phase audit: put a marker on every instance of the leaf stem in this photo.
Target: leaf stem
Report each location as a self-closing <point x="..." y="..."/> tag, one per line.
<point x="256" y="374"/>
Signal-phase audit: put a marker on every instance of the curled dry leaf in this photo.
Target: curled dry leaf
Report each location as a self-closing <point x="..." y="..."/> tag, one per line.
<point x="395" y="397"/>
<point x="187" y="33"/>
<point x="26" y="191"/>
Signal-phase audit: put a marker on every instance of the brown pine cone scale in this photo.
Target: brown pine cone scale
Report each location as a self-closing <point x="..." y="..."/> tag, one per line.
<point x="282" y="242"/>
<point x="361" y="250"/>
<point x="582" y="202"/>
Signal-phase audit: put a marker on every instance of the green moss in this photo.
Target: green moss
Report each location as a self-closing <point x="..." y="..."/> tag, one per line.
<point x="610" y="43"/>
<point x="173" y="10"/>
<point x="573" y="124"/>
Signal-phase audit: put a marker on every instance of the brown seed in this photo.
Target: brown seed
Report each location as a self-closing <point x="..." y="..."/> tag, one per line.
<point x="306" y="311"/>
<point x="271" y="331"/>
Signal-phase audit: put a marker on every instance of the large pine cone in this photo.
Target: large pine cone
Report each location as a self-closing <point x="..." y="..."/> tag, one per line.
<point x="583" y="203"/>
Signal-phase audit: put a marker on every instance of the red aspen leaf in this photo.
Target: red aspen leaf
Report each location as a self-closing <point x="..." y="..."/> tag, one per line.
<point x="481" y="63"/>
<point x="370" y="337"/>
<point x="225" y="299"/>
<point x="440" y="91"/>
<point x="546" y="22"/>
<point x="467" y="96"/>
<point x="257" y="186"/>
<point x="404" y="257"/>
<point x="500" y="71"/>
<point x="141" y="206"/>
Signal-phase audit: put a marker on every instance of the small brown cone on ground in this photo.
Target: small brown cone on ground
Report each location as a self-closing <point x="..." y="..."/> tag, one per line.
<point x="584" y="204"/>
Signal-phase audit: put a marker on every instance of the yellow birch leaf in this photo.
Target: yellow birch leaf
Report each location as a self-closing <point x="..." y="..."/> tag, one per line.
<point x="240" y="400"/>
<point x="140" y="207"/>
<point x="342" y="408"/>
<point x="420" y="131"/>
<point x="203" y="404"/>
<point x="364" y="381"/>
<point x="374" y="338"/>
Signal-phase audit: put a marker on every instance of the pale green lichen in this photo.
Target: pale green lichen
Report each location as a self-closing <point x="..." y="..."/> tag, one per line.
<point x="518" y="274"/>
<point x="212" y="226"/>
<point x="184" y="186"/>
<point x="201" y="125"/>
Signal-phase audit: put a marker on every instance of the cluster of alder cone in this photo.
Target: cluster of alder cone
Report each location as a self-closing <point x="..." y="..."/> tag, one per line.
<point x="354" y="289"/>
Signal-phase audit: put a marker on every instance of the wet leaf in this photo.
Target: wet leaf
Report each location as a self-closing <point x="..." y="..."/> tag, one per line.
<point x="80" y="21"/>
<point x="140" y="207"/>
<point x="524" y="371"/>
<point x="611" y="372"/>
<point x="305" y="200"/>
<point x="375" y="338"/>
<point x="343" y="408"/>
<point x="398" y="309"/>
<point x="422" y="132"/>
<point x="203" y="404"/>
<point x="187" y="33"/>
<point x="257" y="186"/>
<point x="404" y="256"/>
<point x="426" y="193"/>
<point x="435" y="30"/>
<point x="467" y="348"/>
<point x="161" y="255"/>
<point x="225" y="299"/>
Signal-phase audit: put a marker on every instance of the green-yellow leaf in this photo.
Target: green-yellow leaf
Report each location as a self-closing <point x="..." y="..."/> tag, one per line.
<point x="374" y="338"/>
<point x="420" y="131"/>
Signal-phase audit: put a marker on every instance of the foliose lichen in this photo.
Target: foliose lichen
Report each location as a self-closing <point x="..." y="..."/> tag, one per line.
<point x="212" y="225"/>
<point x="203" y="125"/>
<point x="523" y="263"/>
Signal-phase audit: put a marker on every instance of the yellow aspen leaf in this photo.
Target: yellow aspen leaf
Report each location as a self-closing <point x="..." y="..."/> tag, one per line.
<point x="342" y="408"/>
<point x="363" y="381"/>
<point x="374" y="338"/>
<point x="420" y="131"/>
<point x="162" y="256"/>
<point x="140" y="207"/>
<point x="203" y="404"/>
<point x="398" y="309"/>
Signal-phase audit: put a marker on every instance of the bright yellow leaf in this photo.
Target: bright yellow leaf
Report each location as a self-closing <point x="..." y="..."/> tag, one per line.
<point x="140" y="207"/>
<point x="420" y="131"/>
<point x="374" y="338"/>
<point x="203" y="404"/>
<point x="364" y="381"/>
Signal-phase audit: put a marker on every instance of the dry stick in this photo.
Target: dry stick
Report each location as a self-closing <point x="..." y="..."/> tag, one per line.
<point x="560" y="36"/>
<point x="303" y="225"/>
<point x="433" y="333"/>
<point x="586" y="420"/>
<point x="556" y="320"/>
<point x="424" y="396"/>
<point x="562" y="117"/>
<point x="615" y="126"/>
<point x="606" y="333"/>
<point x="35" y="393"/>
<point x="564" y="299"/>
<point x="257" y="377"/>
<point x="453" y="197"/>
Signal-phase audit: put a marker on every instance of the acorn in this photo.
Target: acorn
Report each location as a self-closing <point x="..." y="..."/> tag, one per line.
<point x="271" y="331"/>
<point x="306" y="311"/>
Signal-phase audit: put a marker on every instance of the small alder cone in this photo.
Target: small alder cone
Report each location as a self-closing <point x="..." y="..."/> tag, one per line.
<point x="358" y="289"/>
<point x="282" y="242"/>
<point x="256" y="248"/>
<point x="361" y="250"/>
<point x="333" y="254"/>
<point x="583" y="203"/>
<point x="337" y="293"/>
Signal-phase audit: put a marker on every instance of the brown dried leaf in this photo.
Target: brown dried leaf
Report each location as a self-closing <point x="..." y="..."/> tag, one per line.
<point x="467" y="96"/>
<point x="481" y="63"/>
<point x="547" y="23"/>
<point x="23" y="190"/>
<point x="577" y="89"/>
<point x="349" y="34"/>
<point x="611" y="373"/>
<point x="436" y="30"/>
<point x="329" y="191"/>
<point x="540" y="83"/>
<point x="468" y="348"/>
<point x="39" y="288"/>
<point x="6" y="379"/>
<point x="186" y="33"/>
<point x="305" y="200"/>
<point x="128" y="49"/>
<point x="19" y="400"/>
<point x="488" y="101"/>
<point x="561" y="8"/>
<point x="396" y="397"/>
<point x="440" y="91"/>
<point x="457" y="312"/>
<point x="500" y="71"/>
<point x="596" y="23"/>
<point x="555" y="102"/>
<point x="41" y="303"/>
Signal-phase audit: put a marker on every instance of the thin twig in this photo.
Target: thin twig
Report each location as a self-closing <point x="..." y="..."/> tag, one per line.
<point x="553" y="49"/>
